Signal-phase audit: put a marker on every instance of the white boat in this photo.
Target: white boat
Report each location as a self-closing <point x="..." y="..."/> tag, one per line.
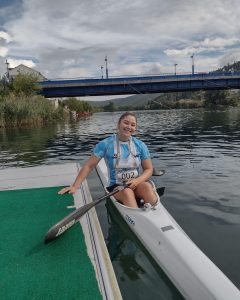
<point x="191" y="271"/>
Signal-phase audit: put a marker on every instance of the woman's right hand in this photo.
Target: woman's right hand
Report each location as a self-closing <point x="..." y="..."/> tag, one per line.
<point x="68" y="189"/>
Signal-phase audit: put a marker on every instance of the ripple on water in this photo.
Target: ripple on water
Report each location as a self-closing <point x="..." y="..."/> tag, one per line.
<point x="199" y="151"/>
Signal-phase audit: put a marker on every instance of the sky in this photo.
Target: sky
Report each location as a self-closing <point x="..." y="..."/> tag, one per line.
<point x="71" y="38"/>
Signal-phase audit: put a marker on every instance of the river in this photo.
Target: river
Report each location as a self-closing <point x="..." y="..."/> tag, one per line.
<point x="200" y="152"/>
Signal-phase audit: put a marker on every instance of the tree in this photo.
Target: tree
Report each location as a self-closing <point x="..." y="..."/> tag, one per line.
<point x="78" y="105"/>
<point x="25" y="84"/>
<point x="216" y="97"/>
<point x="109" y="107"/>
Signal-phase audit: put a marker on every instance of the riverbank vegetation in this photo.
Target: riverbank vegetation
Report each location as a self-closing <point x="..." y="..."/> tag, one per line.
<point x="20" y="110"/>
<point x="80" y="107"/>
<point x="21" y="104"/>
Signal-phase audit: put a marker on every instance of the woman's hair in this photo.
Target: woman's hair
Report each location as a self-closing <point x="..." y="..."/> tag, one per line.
<point x="126" y="114"/>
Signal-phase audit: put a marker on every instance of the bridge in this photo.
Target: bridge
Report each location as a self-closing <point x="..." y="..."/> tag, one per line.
<point x="140" y="84"/>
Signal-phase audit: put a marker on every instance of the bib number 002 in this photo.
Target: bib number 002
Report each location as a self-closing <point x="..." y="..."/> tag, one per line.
<point x="123" y="176"/>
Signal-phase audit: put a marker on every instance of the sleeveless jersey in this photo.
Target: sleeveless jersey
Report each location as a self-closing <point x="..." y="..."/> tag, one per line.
<point x="123" y="159"/>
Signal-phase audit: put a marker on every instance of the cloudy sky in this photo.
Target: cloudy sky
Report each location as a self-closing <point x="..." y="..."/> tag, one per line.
<point x="70" y="38"/>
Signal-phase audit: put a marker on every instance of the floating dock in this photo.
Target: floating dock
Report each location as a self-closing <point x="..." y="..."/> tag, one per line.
<point x="74" y="266"/>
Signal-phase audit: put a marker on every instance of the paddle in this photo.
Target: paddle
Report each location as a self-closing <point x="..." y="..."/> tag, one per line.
<point x="66" y="223"/>
<point x="160" y="191"/>
<point x="157" y="172"/>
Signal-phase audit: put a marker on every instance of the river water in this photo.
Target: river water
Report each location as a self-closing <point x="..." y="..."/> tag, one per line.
<point x="200" y="152"/>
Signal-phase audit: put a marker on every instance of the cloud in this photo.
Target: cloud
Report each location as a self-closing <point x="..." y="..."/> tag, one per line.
<point x="230" y="57"/>
<point x="5" y="36"/>
<point x="4" y="40"/>
<point x="15" y="62"/>
<point x="207" y="45"/>
<point x="141" y="68"/>
<point x="217" y="43"/>
<point x="71" y="38"/>
<point x="3" y="51"/>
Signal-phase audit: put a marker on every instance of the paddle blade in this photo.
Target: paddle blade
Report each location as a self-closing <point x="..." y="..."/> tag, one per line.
<point x="157" y="172"/>
<point x="160" y="191"/>
<point x="66" y="223"/>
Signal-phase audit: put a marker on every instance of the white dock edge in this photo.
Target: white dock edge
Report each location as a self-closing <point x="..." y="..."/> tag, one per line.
<point x="63" y="175"/>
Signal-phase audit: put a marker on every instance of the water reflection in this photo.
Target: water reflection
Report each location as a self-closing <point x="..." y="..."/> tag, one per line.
<point x="182" y="134"/>
<point x="199" y="149"/>
<point x="25" y="146"/>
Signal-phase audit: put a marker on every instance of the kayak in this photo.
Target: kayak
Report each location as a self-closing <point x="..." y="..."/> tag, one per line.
<point x="190" y="270"/>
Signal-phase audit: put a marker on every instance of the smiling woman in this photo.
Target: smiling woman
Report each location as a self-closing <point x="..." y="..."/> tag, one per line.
<point x="124" y="155"/>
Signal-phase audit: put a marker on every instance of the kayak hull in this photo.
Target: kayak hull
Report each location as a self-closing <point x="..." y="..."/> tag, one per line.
<point x="190" y="270"/>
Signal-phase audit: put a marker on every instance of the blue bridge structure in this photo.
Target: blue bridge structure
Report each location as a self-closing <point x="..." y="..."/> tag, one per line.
<point x="140" y="84"/>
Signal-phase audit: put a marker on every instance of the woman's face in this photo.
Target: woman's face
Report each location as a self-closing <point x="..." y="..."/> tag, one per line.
<point x="127" y="127"/>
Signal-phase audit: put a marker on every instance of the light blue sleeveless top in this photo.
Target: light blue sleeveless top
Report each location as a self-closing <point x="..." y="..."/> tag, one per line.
<point x="123" y="159"/>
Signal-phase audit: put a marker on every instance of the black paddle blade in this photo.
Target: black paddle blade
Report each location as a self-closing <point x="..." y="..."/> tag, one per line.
<point x="66" y="223"/>
<point x="160" y="191"/>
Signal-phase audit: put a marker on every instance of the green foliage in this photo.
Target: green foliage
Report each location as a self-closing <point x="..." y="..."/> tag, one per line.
<point x="77" y="105"/>
<point x="25" y="84"/>
<point x="176" y="100"/>
<point x="20" y="105"/>
<point x="109" y="107"/>
<point x="234" y="67"/>
<point x="216" y="97"/>
<point x="20" y="110"/>
<point x="1" y="114"/>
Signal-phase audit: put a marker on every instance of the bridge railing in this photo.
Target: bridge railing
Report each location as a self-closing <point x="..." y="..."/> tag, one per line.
<point x="113" y="79"/>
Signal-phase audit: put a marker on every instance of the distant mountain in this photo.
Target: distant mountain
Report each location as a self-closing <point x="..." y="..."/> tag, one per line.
<point x="133" y="101"/>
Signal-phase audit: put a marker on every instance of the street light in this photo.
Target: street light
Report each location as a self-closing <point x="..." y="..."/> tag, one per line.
<point x="102" y="71"/>
<point x="192" y="57"/>
<point x="7" y="64"/>
<point x="106" y="67"/>
<point x="175" y="69"/>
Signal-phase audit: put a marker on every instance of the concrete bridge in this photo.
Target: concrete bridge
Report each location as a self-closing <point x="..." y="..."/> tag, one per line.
<point x="140" y="84"/>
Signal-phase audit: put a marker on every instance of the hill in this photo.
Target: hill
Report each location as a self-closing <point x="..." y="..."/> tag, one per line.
<point x="133" y="101"/>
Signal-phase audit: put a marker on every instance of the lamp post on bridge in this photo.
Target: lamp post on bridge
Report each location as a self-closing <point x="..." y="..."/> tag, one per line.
<point x="175" y="69"/>
<point x="7" y="64"/>
<point x="192" y="57"/>
<point x="102" y="71"/>
<point x="106" y="60"/>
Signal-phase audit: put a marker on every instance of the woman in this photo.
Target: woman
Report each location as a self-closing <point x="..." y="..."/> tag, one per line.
<point x="124" y="155"/>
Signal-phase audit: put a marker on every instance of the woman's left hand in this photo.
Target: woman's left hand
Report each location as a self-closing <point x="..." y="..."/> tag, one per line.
<point x="133" y="183"/>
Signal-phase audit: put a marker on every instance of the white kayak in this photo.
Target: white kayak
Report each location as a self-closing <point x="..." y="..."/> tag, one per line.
<point x="191" y="271"/>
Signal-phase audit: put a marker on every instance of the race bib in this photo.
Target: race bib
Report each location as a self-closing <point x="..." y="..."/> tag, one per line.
<point x="126" y="175"/>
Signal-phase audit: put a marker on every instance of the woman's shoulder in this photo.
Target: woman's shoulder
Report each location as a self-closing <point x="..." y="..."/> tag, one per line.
<point x="142" y="148"/>
<point x="102" y="146"/>
<point x="107" y="140"/>
<point x="137" y="141"/>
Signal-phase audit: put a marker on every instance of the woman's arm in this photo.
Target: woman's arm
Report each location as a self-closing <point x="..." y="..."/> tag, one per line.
<point x="89" y="165"/>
